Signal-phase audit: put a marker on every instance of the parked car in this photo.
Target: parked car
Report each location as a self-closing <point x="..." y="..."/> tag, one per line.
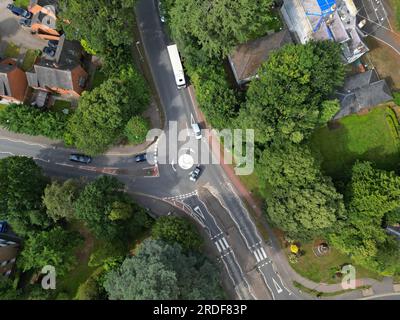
<point x="19" y="11"/>
<point x="196" y="130"/>
<point x="25" y="22"/>
<point x="52" y="43"/>
<point x="49" y="51"/>
<point x="141" y="157"/>
<point x="80" y="158"/>
<point x="194" y="175"/>
<point x="3" y="226"/>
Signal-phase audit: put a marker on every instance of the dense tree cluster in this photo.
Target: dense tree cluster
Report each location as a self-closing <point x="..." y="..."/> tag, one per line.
<point x="30" y="120"/>
<point x="372" y="195"/>
<point x="179" y="230"/>
<point x="287" y="101"/>
<point x="103" y="113"/>
<point x="300" y="200"/>
<point x="212" y="28"/>
<point x="108" y="211"/>
<point x="161" y="271"/>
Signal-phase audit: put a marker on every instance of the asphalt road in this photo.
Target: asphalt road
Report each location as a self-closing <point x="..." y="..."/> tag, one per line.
<point x="230" y="228"/>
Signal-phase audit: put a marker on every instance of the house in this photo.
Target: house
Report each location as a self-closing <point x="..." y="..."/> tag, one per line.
<point x="63" y="73"/>
<point x="362" y="91"/>
<point x="13" y="82"/>
<point x="326" y="20"/>
<point x="44" y="19"/>
<point x="248" y="57"/>
<point x="8" y="254"/>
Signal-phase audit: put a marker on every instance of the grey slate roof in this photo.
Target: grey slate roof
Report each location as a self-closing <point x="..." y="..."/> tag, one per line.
<point x="248" y="57"/>
<point x="362" y="91"/>
<point x="56" y="71"/>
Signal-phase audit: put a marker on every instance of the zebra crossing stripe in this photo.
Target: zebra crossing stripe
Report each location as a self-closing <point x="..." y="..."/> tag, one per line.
<point x="226" y="243"/>
<point x="218" y="247"/>
<point x="263" y="253"/>
<point x="257" y="257"/>
<point x="222" y="244"/>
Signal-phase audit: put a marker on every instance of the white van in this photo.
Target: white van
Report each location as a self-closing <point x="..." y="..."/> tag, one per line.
<point x="196" y="130"/>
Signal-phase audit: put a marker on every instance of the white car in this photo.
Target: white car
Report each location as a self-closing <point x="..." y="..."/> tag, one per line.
<point x="197" y="131"/>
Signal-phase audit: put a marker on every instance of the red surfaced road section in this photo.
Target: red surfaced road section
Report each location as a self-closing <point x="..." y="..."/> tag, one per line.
<point x="218" y="150"/>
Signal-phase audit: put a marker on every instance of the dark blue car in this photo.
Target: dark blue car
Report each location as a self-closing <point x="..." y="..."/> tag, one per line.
<point x="19" y="11"/>
<point x="3" y="226"/>
<point x="141" y="157"/>
<point x="80" y="158"/>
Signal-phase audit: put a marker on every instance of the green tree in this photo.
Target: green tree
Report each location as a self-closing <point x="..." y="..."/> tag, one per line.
<point x="102" y="24"/>
<point x="103" y="112"/>
<point x="371" y="194"/>
<point x="300" y="200"/>
<point x="176" y="229"/>
<point x="7" y="290"/>
<point x="162" y="271"/>
<point x="136" y="129"/>
<point x="287" y="99"/>
<point x="21" y="186"/>
<point x="59" y="199"/>
<point x="108" y="211"/>
<point x="54" y="247"/>
<point x="215" y="27"/>
<point x="25" y="119"/>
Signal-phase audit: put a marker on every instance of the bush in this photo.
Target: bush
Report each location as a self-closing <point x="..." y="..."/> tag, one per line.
<point x="136" y="130"/>
<point x="29" y="120"/>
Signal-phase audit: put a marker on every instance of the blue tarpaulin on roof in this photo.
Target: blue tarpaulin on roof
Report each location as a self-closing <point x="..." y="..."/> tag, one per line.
<point x="326" y="5"/>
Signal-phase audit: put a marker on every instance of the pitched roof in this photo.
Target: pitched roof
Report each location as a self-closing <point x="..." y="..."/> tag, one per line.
<point x="48" y="76"/>
<point x="362" y="91"/>
<point x="248" y="57"/>
<point x="55" y="72"/>
<point x="359" y="80"/>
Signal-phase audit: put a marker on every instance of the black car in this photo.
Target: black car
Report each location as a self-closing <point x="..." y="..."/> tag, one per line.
<point x="52" y="43"/>
<point x="194" y="175"/>
<point x="25" y="22"/>
<point x="3" y="226"/>
<point x="19" y="11"/>
<point x="141" y="157"/>
<point x="49" y="51"/>
<point x="80" y="158"/>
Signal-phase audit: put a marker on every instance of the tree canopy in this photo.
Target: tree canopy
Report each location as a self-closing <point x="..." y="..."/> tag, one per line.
<point x="177" y="230"/>
<point x="287" y="101"/>
<point x="213" y="28"/>
<point x="21" y="187"/>
<point x="161" y="271"/>
<point x="299" y="199"/>
<point x="54" y="247"/>
<point x="59" y="199"/>
<point x="107" y="210"/>
<point x="103" y="112"/>
<point x="371" y="194"/>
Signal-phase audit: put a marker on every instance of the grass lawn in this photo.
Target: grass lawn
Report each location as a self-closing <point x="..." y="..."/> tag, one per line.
<point x="29" y="59"/>
<point x="21" y="3"/>
<point x="60" y="105"/>
<point x="98" y="78"/>
<point x="386" y="62"/>
<point x="12" y="51"/>
<point x="323" y="269"/>
<point x="373" y="137"/>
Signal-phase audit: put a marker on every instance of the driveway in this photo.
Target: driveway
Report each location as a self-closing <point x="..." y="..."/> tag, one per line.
<point x="11" y="31"/>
